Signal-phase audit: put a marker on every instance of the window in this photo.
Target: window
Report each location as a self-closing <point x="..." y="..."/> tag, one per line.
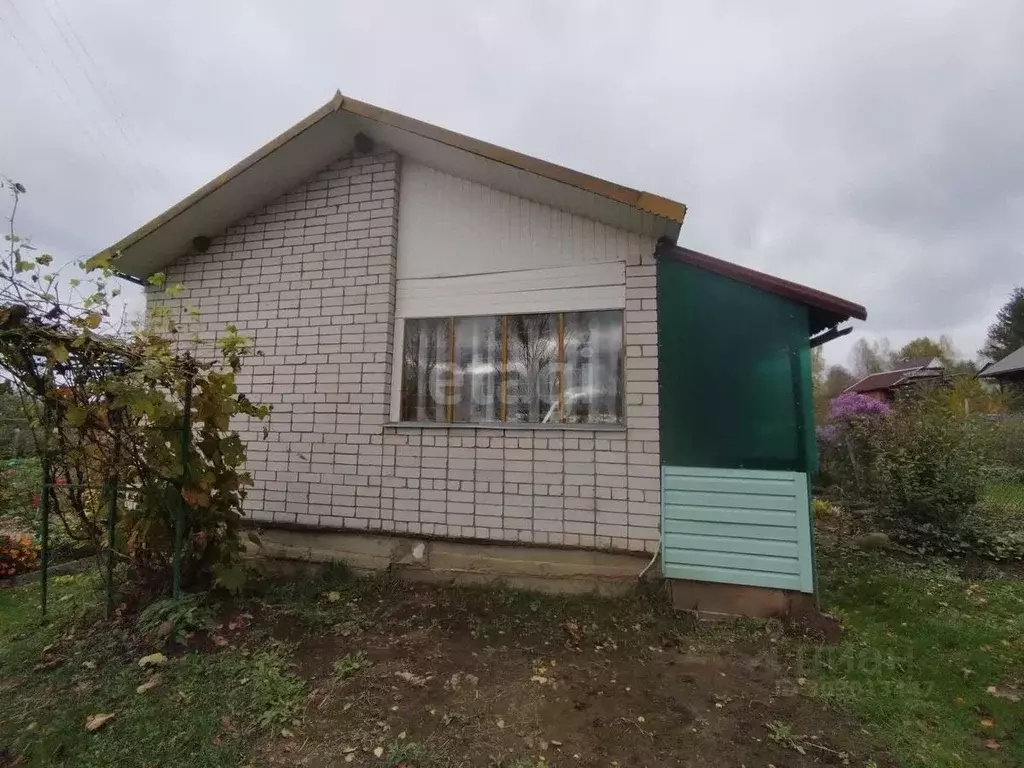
<point x="561" y="368"/>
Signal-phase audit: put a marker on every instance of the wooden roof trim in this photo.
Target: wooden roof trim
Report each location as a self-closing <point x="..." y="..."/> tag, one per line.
<point x="641" y="201"/>
<point x="776" y="285"/>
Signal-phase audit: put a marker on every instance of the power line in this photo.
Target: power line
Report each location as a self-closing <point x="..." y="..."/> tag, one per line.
<point x="72" y="109"/>
<point x="108" y="102"/>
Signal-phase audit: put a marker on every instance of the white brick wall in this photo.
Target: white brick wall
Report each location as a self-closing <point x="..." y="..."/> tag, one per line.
<point x="311" y="279"/>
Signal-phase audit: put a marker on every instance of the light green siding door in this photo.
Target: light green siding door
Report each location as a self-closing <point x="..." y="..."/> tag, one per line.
<point x="737" y="526"/>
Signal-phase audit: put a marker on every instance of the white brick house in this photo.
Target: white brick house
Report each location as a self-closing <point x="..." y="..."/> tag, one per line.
<point x="458" y="341"/>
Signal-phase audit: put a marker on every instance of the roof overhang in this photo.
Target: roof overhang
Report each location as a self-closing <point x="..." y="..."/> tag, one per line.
<point x="826" y="310"/>
<point x="1011" y="366"/>
<point x="329" y="133"/>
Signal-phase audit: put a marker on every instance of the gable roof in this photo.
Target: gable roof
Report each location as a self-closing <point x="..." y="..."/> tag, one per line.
<point x="1013" y="363"/>
<point x="826" y="310"/>
<point x="917" y="363"/>
<point x="331" y="131"/>
<point x="920" y="367"/>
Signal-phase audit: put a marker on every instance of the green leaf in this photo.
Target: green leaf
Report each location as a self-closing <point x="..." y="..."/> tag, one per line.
<point x="76" y="415"/>
<point x="174" y="290"/>
<point x="157" y="279"/>
<point x="60" y="353"/>
<point x="231" y="578"/>
<point x="99" y="261"/>
<point x="45" y="260"/>
<point x="23" y="266"/>
<point x="92" y="320"/>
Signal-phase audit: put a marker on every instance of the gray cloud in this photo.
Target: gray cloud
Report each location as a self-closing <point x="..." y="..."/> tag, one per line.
<point x="871" y="150"/>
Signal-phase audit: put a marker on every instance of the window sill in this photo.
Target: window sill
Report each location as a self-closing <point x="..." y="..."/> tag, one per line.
<point x="508" y="427"/>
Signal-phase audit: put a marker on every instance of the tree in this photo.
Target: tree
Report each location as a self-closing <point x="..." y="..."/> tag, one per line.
<point x="828" y="384"/>
<point x="837" y="380"/>
<point x="817" y="368"/>
<point x="925" y="346"/>
<point x="869" y="357"/>
<point x="1006" y="334"/>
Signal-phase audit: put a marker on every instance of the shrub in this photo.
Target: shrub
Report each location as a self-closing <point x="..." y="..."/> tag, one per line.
<point x="17" y="555"/>
<point x="1003" y="442"/>
<point x="845" y="442"/>
<point x="20" y="484"/>
<point x="927" y="465"/>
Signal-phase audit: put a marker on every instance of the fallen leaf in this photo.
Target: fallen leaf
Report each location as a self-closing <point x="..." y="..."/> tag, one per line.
<point x="412" y="679"/>
<point x="149" y="684"/>
<point x="94" y="722"/>
<point x="89" y="664"/>
<point x="378" y="751"/>
<point x="349" y="758"/>
<point x="992" y="744"/>
<point x="401" y="735"/>
<point x="501" y="723"/>
<point x="153" y="660"/>
<point x="987" y="723"/>
<point x="287" y="734"/>
<point x="333" y="597"/>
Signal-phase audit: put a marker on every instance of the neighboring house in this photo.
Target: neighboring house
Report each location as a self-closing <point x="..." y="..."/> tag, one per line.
<point x="1009" y="370"/>
<point x="465" y="346"/>
<point x="883" y="386"/>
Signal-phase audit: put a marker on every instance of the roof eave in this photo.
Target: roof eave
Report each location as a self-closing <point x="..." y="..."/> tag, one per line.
<point x="834" y="306"/>
<point x="670" y="211"/>
<point x="216" y="183"/>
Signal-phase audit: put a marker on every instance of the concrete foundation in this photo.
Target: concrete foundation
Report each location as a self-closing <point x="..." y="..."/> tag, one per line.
<point x="545" y="569"/>
<point x="710" y="600"/>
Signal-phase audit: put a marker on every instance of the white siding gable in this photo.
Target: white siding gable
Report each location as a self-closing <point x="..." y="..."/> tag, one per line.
<point x="502" y="253"/>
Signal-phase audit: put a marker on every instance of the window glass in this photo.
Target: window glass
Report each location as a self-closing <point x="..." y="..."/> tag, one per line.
<point x="532" y="362"/>
<point x="556" y="368"/>
<point x="477" y="374"/>
<point x="425" y="369"/>
<point x="592" y="392"/>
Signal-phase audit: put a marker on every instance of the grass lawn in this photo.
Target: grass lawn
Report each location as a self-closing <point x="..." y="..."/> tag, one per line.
<point x="323" y="670"/>
<point x="932" y="660"/>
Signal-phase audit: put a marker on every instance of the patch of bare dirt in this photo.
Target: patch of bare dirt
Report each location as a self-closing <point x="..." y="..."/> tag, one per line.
<point x="439" y="687"/>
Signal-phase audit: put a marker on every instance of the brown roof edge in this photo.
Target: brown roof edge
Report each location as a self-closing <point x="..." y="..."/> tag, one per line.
<point x="766" y="282"/>
<point x="643" y="201"/>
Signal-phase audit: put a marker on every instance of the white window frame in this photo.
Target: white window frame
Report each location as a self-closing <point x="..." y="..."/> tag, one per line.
<point x="593" y="287"/>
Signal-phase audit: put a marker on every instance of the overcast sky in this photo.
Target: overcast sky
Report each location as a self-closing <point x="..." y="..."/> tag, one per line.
<point x="874" y="150"/>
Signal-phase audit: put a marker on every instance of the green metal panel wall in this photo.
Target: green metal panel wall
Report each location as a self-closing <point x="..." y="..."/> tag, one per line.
<point x="734" y="373"/>
<point x="737" y="526"/>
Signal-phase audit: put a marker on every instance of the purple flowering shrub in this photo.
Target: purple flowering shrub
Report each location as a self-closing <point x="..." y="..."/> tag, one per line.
<point x="845" y="441"/>
<point x="853" y="405"/>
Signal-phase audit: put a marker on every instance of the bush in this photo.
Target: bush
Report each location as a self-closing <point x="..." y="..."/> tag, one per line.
<point x="1002" y="440"/>
<point x="846" y="443"/>
<point x="17" y="555"/>
<point x="927" y="465"/>
<point x="20" y="483"/>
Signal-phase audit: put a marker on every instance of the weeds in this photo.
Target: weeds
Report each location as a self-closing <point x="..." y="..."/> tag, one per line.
<point x="349" y="665"/>
<point x="174" y="620"/>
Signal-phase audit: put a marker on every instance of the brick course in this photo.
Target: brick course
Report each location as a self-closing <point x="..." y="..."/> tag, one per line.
<point x="311" y="279"/>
